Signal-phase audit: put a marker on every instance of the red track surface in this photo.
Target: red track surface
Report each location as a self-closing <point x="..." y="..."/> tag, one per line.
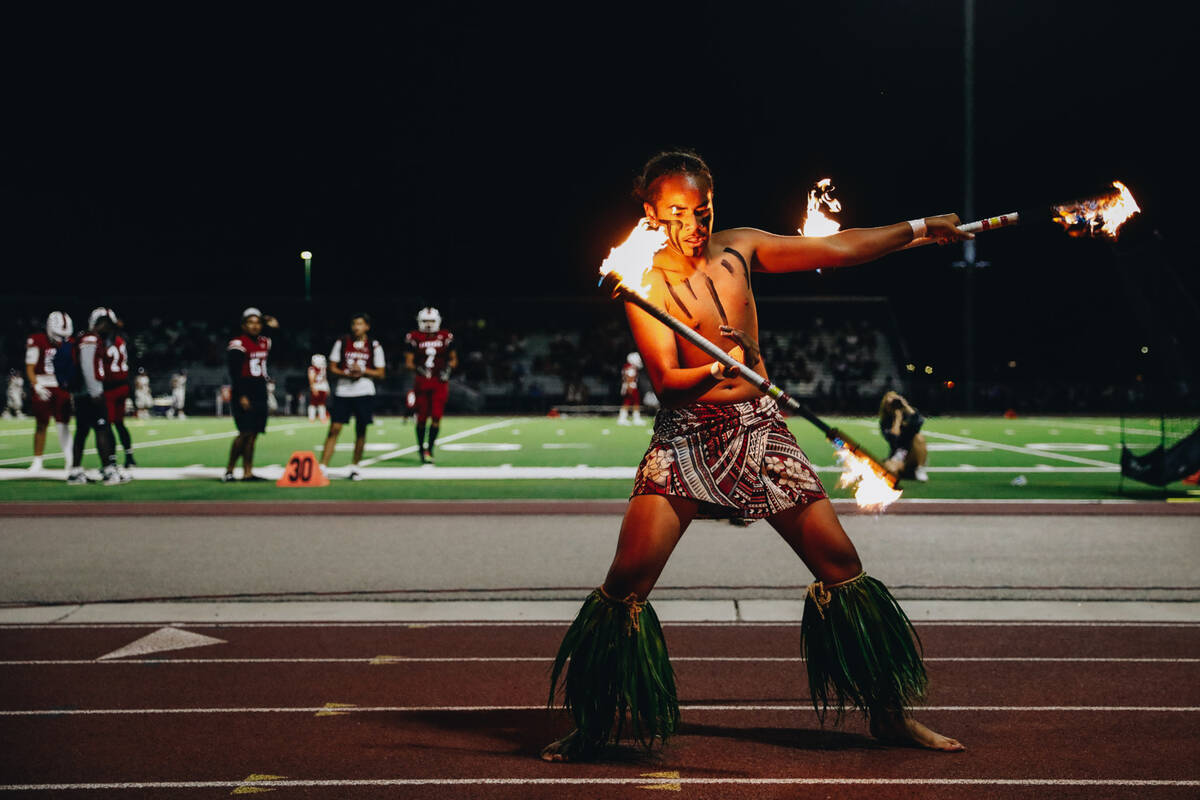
<point x="460" y="716"/>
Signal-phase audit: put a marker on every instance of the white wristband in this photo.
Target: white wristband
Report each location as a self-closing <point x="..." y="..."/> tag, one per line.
<point x="717" y="369"/>
<point x="918" y="228"/>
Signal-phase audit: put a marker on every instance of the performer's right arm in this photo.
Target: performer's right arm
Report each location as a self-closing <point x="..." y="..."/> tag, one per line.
<point x="674" y="385"/>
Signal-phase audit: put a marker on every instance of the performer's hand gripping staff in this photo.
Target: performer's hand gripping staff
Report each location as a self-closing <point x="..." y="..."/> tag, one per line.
<point x="611" y="282"/>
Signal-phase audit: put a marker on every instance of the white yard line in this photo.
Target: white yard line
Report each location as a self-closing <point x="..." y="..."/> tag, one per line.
<point x="1029" y="451"/>
<point x="404" y="451"/>
<point x="142" y="445"/>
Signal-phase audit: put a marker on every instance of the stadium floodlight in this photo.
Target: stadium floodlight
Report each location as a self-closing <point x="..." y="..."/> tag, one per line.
<point x="307" y="256"/>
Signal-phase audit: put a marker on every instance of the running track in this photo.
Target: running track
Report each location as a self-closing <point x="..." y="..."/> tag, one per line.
<point x="1064" y="710"/>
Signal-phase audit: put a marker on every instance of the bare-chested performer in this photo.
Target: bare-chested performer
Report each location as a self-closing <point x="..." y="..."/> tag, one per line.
<point x="721" y="449"/>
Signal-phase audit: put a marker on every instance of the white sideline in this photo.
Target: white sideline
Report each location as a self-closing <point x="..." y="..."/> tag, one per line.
<point x="563" y="611"/>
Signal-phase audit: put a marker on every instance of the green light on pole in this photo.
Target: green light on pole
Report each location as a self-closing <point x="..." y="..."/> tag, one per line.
<point x="307" y="256"/>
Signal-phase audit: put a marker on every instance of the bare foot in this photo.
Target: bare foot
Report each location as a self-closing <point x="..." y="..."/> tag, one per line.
<point x="899" y="729"/>
<point x="572" y="747"/>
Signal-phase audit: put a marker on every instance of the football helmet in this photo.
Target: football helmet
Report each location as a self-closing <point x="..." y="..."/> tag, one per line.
<point x="251" y="312"/>
<point x="429" y="320"/>
<point x="100" y="312"/>
<point x="635" y="358"/>
<point x="318" y="361"/>
<point x="59" y="326"/>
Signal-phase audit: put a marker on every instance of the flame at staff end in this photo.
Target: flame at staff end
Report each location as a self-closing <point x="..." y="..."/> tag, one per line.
<point x="1104" y="214"/>
<point x="633" y="258"/>
<point x="815" y="221"/>
<point x="872" y="492"/>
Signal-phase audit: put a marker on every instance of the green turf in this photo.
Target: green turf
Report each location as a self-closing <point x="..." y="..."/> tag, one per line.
<point x="960" y="443"/>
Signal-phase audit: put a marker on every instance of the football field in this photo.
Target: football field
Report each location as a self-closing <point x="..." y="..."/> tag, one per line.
<point x="1036" y="458"/>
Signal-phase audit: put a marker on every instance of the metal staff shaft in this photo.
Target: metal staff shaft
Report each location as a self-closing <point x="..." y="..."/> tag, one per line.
<point x="612" y="283"/>
<point x="991" y="223"/>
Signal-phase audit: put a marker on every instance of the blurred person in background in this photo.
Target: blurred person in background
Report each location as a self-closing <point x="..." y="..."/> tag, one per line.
<point x="318" y="388"/>
<point x="246" y="356"/>
<point x="431" y="358"/>
<point x="900" y="425"/>
<point x="48" y="397"/>
<point x="143" y="400"/>
<point x="116" y="382"/>
<point x="358" y="361"/>
<point x="16" y="396"/>
<point x="178" y="394"/>
<point x="631" y="400"/>
<point x="91" y="411"/>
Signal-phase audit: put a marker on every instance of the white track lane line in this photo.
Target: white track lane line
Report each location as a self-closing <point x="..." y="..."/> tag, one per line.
<point x="644" y="781"/>
<point x="561" y="625"/>
<point x="101" y="712"/>
<point x="386" y="660"/>
<point x="442" y="440"/>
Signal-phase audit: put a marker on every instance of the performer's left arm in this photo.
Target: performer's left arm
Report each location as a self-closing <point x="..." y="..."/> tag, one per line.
<point x="773" y="253"/>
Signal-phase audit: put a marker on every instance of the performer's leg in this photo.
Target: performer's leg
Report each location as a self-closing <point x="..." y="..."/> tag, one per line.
<point x="617" y="655"/>
<point x="858" y="643"/>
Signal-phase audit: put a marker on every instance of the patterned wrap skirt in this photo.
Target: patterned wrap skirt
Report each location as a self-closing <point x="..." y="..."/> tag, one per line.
<point x="737" y="460"/>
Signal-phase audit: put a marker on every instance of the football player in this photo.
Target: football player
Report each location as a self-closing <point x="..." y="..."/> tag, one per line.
<point x="143" y="400"/>
<point x="91" y="410"/>
<point x="318" y="388"/>
<point x="357" y="361"/>
<point x="48" y="398"/>
<point x="630" y="399"/>
<point x="246" y="356"/>
<point x="116" y="380"/>
<point x="178" y="394"/>
<point x="430" y="357"/>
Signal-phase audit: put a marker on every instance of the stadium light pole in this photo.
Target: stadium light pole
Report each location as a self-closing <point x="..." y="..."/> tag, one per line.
<point x="307" y="256"/>
<point x="969" y="263"/>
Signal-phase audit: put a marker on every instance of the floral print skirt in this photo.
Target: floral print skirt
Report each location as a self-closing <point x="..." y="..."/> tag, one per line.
<point x="737" y="460"/>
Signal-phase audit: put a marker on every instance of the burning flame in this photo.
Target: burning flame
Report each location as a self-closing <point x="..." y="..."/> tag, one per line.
<point x="634" y="257"/>
<point x="872" y="491"/>
<point x="815" y="221"/>
<point x="1104" y="214"/>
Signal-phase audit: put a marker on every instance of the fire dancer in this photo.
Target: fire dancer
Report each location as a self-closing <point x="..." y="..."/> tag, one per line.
<point x="900" y="425"/>
<point x="721" y="449"/>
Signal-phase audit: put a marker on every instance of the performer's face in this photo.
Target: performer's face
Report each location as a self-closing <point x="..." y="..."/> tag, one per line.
<point x="252" y="325"/>
<point x="359" y="327"/>
<point x="683" y="207"/>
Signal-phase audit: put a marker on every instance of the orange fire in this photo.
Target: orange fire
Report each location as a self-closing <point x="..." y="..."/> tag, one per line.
<point x="633" y="258"/>
<point x="816" y="223"/>
<point x="1103" y="215"/>
<point x="872" y="491"/>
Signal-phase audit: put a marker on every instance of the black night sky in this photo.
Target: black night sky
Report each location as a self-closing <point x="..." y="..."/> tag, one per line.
<point x="445" y="151"/>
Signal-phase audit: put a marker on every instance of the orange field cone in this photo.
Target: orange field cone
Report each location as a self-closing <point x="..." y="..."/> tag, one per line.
<point x="302" y="470"/>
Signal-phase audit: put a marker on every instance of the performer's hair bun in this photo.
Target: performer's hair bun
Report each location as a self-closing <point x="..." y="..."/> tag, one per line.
<point x="680" y="161"/>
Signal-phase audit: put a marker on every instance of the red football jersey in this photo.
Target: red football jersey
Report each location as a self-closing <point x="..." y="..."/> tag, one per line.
<point x="318" y="377"/>
<point x="39" y="351"/>
<point x="255" y="348"/>
<point x="116" y="362"/>
<point x="98" y="364"/>
<point x="353" y="354"/>
<point x="629" y="377"/>
<point x="431" y="352"/>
